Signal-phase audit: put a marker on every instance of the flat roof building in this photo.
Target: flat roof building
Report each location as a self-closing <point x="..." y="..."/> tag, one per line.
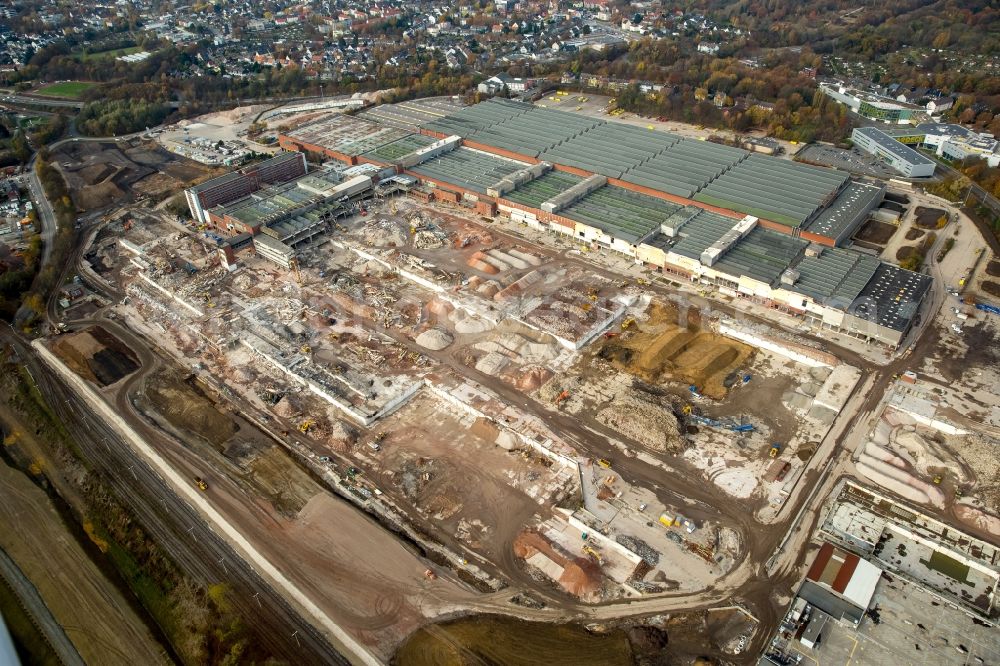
<point x="900" y="157"/>
<point x="243" y="182"/>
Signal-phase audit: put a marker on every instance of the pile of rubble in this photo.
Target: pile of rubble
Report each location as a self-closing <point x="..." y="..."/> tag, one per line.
<point x="645" y="419"/>
<point x="640" y="548"/>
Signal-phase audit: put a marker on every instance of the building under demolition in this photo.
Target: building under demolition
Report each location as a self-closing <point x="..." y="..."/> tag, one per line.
<point x="753" y="226"/>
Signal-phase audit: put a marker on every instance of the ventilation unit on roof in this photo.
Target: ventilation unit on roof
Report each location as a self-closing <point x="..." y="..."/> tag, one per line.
<point x="790" y="276"/>
<point x="814" y="250"/>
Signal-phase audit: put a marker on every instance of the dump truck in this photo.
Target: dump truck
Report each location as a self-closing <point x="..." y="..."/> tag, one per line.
<point x="604" y="462"/>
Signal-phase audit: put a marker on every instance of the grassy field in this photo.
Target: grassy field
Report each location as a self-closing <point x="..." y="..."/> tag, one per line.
<point x="113" y="53"/>
<point x="66" y="89"/>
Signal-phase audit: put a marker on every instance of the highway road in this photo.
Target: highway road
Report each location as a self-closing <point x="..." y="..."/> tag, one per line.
<point x="177" y="527"/>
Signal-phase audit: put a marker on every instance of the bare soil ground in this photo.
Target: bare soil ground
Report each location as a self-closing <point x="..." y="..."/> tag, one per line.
<point x="905" y="252"/>
<point x="97" y="618"/>
<point x="993" y="268"/>
<point x="456" y="475"/>
<point x="991" y="288"/>
<point x="666" y="348"/>
<point x="876" y="232"/>
<point x="496" y="640"/>
<point x="927" y="218"/>
<point x="187" y="408"/>
<point x="914" y="234"/>
<point x="96" y="355"/>
<point x="99" y="174"/>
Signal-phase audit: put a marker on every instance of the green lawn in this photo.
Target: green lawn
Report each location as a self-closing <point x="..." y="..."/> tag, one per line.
<point x="66" y="89"/>
<point x="113" y="53"/>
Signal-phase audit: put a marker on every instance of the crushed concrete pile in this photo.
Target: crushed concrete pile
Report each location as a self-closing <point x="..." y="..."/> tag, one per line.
<point x="428" y="240"/>
<point x="287" y="407"/>
<point x="468" y="324"/>
<point x="492" y="363"/>
<point x="899" y="481"/>
<point x="526" y="257"/>
<point x="517" y="288"/>
<point x="383" y="232"/>
<point x="518" y="348"/>
<point x="640" y="418"/>
<point x="434" y="339"/>
<point x="923" y="454"/>
<point x="481" y="262"/>
<point x="509" y="259"/>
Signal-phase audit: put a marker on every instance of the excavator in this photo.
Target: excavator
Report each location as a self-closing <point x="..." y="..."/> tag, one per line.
<point x="200" y="482"/>
<point x="306" y="425"/>
<point x="593" y="553"/>
<point x="562" y="397"/>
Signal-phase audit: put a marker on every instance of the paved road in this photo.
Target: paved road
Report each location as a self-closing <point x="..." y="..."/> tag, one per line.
<point x="42" y="101"/>
<point x="46" y="216"/>
<point x="35" y="606"/>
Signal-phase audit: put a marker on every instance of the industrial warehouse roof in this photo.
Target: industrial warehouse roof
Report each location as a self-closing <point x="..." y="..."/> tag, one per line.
<point x="268" y="204"/>
<point x="685" y="167"/>
<point x="610" y="149"/>
<point x="539" y="190"/>
<point x="698" y="233"/>
<point x="834" y="276"/>
<point x="762" y="255"/>
<point x="346" y="135"/>
<point x="389" y="152"/>
<point x="536" y="130"/>
<point x="778" y="190"/>
<point x="412" y="114"/>
<point x="470" y="169"/>
<point x="624" y="214"/>
<point x="515" y="126"/>
<point x="466" y="121"/>
<point x="839" y="216"/>
<point x="891" y="297"/>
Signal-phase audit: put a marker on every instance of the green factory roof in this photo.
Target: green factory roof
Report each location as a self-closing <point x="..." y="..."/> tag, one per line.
<point x="469" y="169"/>
<point x="624" y="214"/>
<point x="610" y="148"/>
<point x="762" y="255"/>
<point x="535" y="192"/>
<point x="834" y="275"/>
<point x="390" y="152"/>
<point x="779" y="190"/>
<point x="685" y="167"/>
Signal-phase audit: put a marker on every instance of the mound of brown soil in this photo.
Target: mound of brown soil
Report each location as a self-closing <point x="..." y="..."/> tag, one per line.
<point x="905" y="252"/>
<point x="993" y="268"/>
<point x="914" y="234"/>
<point x="992" y="288"/>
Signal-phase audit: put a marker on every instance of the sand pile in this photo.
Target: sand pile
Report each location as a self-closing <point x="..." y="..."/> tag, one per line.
<point x="508" y="259"/>
<point x="434" y="339"/>
<point x="480" y="262"/>
<point x="636" y="416"/>
<point x="468" y="324"/>
<point x="488" y="289"/>
<point x="518" y="348"/>
<point x="532" y="377"/>
<point x="526" y="257"/>
<point x="579" y="576"/>
<point x="287" y="408"/>
<point x="492" y="363"/>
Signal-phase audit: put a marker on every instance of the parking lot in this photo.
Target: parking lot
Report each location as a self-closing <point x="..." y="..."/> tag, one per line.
<point x="854" y="160"/>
